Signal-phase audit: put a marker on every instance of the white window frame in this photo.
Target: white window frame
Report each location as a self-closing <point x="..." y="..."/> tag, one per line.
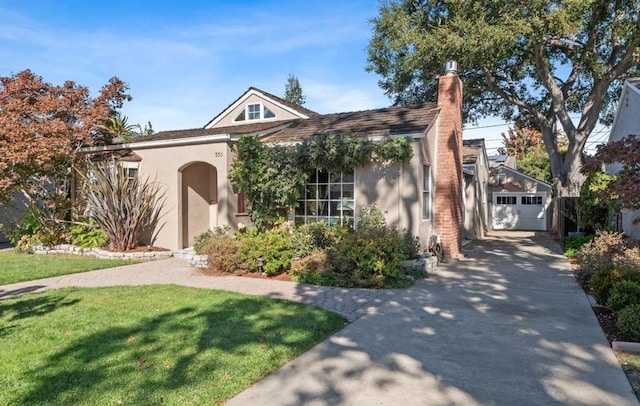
<point x="332" y="209"/>
<point x="426" y="192"/>
<point x="251" y="115"/>
<point x="131" y="166"/>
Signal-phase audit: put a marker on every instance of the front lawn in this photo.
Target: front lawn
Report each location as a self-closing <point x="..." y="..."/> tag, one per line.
<point x="16" y="267"/>
<point x="147" y="344"/>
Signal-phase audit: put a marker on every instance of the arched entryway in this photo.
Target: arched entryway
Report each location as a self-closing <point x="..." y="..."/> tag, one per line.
<point x="199" y="200"/>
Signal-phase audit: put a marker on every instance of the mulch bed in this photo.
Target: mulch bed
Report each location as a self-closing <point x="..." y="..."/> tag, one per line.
<point x="606" y="317"/>
<point x="246" y="274"/>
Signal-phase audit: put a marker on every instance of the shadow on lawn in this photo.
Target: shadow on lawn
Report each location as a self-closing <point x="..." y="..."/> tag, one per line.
<point x="174" y="354"/>
<point x="30" y="307"/>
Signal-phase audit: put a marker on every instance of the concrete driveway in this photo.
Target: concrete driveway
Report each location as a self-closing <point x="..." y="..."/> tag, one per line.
<point x="508" y="325"/>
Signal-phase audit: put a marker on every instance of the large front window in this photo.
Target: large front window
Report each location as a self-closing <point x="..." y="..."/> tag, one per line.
<point x="328" y="197"/>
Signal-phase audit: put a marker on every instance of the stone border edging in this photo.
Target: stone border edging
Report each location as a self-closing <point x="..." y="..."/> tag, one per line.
<point x="626" y="346"/>
<point x="99" y="252"/>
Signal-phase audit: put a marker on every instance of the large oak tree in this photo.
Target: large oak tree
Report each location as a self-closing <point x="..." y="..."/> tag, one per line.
<point x="544" y="62"/>
<point x="42" y="128"/>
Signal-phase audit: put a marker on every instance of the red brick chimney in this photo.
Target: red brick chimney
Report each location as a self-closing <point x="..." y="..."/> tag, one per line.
<point x="449" y="178"/>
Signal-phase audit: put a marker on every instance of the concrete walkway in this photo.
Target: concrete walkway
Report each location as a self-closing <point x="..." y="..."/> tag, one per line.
<point x="507" y="325"/>
<point x="350" y="303"/>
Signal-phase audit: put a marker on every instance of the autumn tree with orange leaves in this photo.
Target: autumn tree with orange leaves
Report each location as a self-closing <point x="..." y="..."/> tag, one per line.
<point x="42" y="129"/>
<point x="43" y="126"/>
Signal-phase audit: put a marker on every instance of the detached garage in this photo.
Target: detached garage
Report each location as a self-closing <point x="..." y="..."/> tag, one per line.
<point x="518" y="201"/>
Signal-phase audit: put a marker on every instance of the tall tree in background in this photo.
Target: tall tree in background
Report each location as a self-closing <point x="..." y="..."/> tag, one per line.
<point x="42" y="127"/>
<point x="519" y="141"/>
<point x="542" y="61"/>
<point x="293" y="91"/>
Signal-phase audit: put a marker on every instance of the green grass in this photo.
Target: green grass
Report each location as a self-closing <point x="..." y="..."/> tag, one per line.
<point x="147" y="345"/>
<point x="631" y="365"/>
<point x="17" y="267"/>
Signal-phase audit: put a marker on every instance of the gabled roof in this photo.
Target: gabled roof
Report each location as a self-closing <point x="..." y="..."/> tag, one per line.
<point x="515" y="171"/>
<point x="630" y="89"/>
<point x="398" y="120"/>
<point x="198" y="132"/>
<point x="293" y="108"/>
<point x="471" y="149"/>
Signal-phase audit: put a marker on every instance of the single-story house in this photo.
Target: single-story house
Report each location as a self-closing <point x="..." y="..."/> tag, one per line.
<point x="518" y="201"/>
<point x="423" y="195"/>
<point x="476" y="179"/>
<point x="627" y="123"/>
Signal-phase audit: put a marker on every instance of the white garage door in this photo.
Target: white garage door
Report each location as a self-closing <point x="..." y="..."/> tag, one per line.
<point x="519" y="211"/>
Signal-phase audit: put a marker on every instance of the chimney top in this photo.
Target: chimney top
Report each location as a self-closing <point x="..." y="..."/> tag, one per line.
<point x="451" y="67"/>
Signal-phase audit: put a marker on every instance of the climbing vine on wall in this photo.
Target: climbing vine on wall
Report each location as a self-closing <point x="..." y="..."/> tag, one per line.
<point x="273" y="176"/>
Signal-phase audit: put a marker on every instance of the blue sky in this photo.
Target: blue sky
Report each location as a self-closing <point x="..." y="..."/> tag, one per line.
<point x="186" y="61"/>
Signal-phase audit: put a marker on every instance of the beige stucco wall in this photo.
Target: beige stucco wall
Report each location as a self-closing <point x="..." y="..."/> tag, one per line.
<point x="395" y="188"/>
<point x="165" y="165"/>
<point x="397" y="191"/>
<point x="281" y="113"/>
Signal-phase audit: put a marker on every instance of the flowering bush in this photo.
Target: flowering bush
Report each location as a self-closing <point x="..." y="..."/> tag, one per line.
<point x="599" y="252"/>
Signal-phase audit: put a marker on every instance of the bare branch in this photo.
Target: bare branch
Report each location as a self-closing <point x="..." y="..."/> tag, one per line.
<point x="557" y="96"/>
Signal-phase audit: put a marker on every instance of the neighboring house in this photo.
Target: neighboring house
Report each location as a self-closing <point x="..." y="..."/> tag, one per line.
<point x="627" y="122"/>
<point x="507" y="160"/>
<point x="11" y="212"/>
<point x="422" y="196"/>
<point x="475" y="197"/>
<point x="518" y="201"/>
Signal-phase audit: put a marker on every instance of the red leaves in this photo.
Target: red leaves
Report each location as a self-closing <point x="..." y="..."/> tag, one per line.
<point x="623" y="157"/>
<point x="42" y="126"/>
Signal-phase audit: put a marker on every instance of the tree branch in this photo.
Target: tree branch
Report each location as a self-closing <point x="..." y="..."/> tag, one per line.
<point x="557" y="96"/>
<point x="493" y="86"/>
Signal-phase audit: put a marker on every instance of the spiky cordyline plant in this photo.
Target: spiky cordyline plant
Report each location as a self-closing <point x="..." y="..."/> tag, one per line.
<point x="122" y="206"/>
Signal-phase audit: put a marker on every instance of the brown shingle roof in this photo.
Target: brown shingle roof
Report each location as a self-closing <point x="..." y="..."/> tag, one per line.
<point x="371" y="123"/>
<point x="380" y="122"/>
<point x="198" y="132"/>
<point x="471" y="149"/>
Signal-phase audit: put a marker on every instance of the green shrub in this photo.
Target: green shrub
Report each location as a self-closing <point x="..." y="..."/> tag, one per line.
<point x="37" y="226"/>
<point x="599" y="252"/>
<point x="603" y="280"/>
<point x="573" y="244"/>
<point x="314" y="269"/>
<point x="223" y="252"/>
<point x="629" y="322"/>
<point x="371" y="218"/>
<point x="311" y="237"/>
<point x="410" y="246"/>
<point x="88" y="235"/>
<point x="623" y="294"/>
<point x="275" y="247"/>
<point x="370" y="258"/>
<point x="202" y="240"/>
